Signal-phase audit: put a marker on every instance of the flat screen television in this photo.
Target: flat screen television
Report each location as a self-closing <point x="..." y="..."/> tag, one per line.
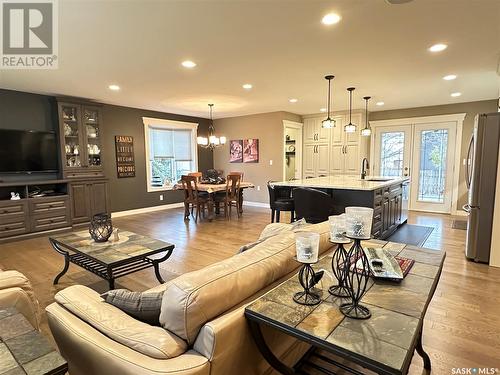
<point x="23" y="151"/>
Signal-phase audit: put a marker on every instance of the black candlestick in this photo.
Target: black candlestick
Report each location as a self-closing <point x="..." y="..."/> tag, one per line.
<point x="339" y="272"/>
<point x="307" y="278"/>
<point x="356" y="281"/>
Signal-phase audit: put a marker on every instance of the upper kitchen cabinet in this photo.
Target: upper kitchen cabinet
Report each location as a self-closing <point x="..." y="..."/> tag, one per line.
<point x="81" y="139"/>
<point x="314" y="132"/>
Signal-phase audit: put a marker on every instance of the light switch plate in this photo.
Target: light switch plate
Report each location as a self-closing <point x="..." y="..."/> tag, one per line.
<point x="271" y="162"/>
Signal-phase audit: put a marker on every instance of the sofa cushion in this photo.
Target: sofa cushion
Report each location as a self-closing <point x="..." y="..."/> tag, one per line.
<point x="144" y="306"/>
<point x="152" y="341"/>
<point x="195" y="298"/>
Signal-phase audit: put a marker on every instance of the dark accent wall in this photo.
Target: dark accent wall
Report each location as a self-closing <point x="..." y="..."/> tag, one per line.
<point x="131" y="193"/>
<point x="26" y="111"/>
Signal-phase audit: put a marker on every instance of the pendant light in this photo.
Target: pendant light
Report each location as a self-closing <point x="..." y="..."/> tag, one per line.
<point x="328" y="123"/>
<point x="350" y="127"/>
<point x="212" y="141"/>
<point x="366" y="132"/>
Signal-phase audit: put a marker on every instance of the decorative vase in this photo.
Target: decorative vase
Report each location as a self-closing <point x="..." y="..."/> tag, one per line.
<point x="101" y="228"/>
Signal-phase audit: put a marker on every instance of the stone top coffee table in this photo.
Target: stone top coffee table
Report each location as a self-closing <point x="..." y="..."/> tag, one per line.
<point x="385" y="343"/>
<point x="112" y="259"/>
<point x="23" y="350"/>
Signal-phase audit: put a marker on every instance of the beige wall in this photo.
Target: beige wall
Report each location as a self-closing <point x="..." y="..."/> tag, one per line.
<point x="268" y="129"/>
<point x="471" y="109"/>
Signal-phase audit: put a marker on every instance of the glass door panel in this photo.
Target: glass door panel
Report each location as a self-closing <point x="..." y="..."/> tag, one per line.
<point x="432" y="172"/>
<point x="392" y="151"/>
<point x="434" y="155"/>
<point x="72" y="136"/>
<point x="91" y="122"/>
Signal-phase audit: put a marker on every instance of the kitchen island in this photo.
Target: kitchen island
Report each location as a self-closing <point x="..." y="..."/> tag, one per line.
<point x="388" y="196"/>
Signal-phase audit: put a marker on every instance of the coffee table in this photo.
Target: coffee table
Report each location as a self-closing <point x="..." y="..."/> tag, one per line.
<point x="23" y="350"/>
<point x="112" y="259"/>
<point x="385" y="343"/>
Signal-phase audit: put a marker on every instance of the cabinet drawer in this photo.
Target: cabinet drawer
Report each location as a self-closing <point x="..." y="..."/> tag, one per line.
<point x="84" y="174"/>
<point x="45" y="222"/>
<point x="13" y="229"/>
<point x="12" y="211"/>
<point x="377" y="216"/>
<point x="56" y="204"/>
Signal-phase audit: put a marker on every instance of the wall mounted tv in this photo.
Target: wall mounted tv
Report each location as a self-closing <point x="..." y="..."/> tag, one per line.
<point x="24" y="151"/>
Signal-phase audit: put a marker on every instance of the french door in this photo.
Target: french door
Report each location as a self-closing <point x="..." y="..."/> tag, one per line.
<point x="426" y="153"/>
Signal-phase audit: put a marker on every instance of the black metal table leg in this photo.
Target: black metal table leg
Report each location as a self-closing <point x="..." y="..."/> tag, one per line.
<point x="111" y="279"/>
<point x="66" y="261"/>
<point x="266" y="352"/>
<point x="156" y="265"/>
<point x="422" y="353"/>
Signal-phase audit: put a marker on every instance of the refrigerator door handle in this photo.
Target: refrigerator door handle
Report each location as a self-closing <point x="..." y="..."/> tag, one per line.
<point x="468" y="162"/>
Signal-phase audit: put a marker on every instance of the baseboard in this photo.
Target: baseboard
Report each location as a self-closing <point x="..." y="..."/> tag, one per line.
<point x="256" y="204"/>
<point x="147" y="209"/>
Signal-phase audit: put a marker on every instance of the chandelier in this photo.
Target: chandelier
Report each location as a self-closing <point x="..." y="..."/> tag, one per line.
<point x="212" y="141"/>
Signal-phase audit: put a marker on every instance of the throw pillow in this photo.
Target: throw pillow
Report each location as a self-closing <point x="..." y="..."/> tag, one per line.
<point x="143" y="306"/>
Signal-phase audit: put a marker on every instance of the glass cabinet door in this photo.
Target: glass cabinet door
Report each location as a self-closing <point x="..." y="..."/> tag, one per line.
<point x="91" y="125"/>
<point x="72" y="137"/>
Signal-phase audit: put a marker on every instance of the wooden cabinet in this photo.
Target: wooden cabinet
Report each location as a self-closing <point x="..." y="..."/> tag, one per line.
<point x="314" y="132"/>
<point x="345" y="150"/>
<point x="390" y="199"/>
<point x="80" y="128"/>
<point x="88" y="198"/>
<point x="316" y="159"/>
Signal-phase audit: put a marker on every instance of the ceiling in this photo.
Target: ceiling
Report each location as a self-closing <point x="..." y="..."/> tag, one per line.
<point x="279" y="46"/>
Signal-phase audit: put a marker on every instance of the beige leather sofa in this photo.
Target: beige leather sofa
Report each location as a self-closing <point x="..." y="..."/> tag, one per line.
<point x="16" y="291"/>
<point x="203" y="331"/>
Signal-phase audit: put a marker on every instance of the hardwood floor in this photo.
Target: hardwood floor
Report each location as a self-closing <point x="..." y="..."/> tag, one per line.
<point x="462" y="326"/>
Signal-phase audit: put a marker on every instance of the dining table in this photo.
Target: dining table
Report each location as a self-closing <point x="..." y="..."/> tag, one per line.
<point x="212" y="189"/>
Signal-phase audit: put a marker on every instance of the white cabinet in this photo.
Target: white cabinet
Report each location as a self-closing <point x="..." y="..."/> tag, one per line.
<point x="316" y="159"/>
<point x="314" y="132"/>
<point x="333" y="151"/>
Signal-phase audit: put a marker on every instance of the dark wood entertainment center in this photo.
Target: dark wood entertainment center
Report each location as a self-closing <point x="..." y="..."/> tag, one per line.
<point x="80" y="190"/>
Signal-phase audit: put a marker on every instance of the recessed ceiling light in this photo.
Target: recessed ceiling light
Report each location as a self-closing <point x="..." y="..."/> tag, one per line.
<point x="293" y="100"/>
<point x="450" y="77"/>
<point x="438" y="47"/>
<point x="380" y="103"/>
<point x="322" y="109"/>
<point x="188" y="64"/>
<point x="114" y="87"/>
<point x="330" y="19"/>
<point x="247" y="86"/>
<point x="456" y="94"/>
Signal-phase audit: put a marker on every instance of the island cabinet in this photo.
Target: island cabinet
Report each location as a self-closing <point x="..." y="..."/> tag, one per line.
<point x="385" y="201"/>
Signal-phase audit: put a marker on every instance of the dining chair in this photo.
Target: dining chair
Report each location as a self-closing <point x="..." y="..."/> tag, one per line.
<point x="280" y="199"/>
<point x="312" y="205"/>
<point x="241" y="191"/>
<point x="236" y="173"/>
<point x="192" y="198"/>
<point x="232" y="196"/>
<point x="198" y="175"/>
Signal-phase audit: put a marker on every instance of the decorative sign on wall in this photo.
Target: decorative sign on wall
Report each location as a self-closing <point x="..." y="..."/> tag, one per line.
<point x="125" y="161"/>
<point x="250" y="150"/>
<point x="236" y="151"/>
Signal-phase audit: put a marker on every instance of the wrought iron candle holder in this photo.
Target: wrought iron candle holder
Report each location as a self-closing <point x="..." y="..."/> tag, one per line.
<point x="357" y="272"/>
<point x="339" y="270"/>
<point x="101" y="228"/>
<point x="307" y="278"/>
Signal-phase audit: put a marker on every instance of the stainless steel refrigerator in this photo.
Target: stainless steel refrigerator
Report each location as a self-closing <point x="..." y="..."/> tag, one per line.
<point x="480" y="177"/>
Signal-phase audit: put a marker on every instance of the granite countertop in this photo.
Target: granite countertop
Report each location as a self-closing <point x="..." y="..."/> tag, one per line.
<point x="345" y="182"/>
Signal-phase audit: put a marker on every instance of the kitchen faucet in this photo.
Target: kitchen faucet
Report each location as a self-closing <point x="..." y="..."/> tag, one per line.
<point x="363" y="168"/>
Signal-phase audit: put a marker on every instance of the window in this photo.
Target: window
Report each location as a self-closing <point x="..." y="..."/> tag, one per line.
<point x="171" y="151"/>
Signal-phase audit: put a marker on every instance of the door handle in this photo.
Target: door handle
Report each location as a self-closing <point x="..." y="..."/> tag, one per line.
<point x="467" y="167"/>
<point x="466" y="208"/>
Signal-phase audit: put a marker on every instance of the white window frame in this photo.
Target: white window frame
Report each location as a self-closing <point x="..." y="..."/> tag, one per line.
<point x="167" y="125"/>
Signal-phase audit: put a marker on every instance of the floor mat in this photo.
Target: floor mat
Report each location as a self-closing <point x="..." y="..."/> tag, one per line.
<point x="411" y="234"/>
